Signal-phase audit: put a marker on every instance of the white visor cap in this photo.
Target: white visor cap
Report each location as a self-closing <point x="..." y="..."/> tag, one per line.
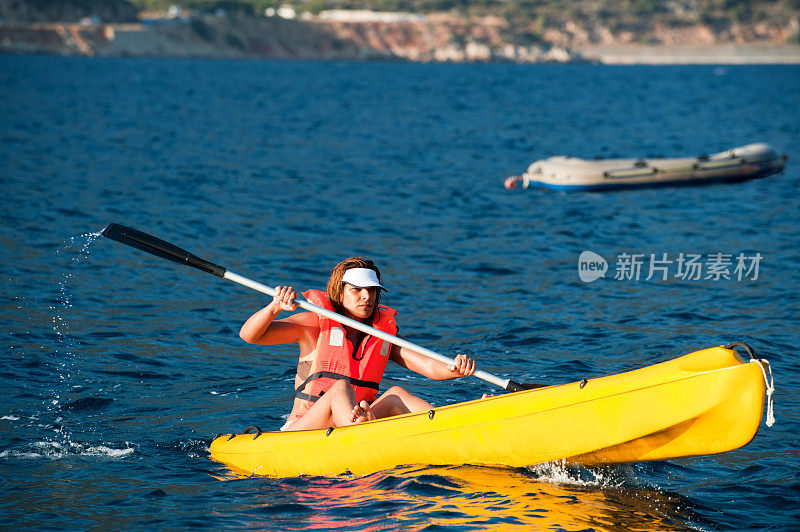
<point x="362" y="278"/>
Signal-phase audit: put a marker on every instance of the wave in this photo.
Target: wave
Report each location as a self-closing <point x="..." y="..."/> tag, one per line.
<point x="59" y="450"/>
<point x="563" y="474"/>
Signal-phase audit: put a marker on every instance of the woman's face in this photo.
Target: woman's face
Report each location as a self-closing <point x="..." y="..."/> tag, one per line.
<point x="358" y="302"/>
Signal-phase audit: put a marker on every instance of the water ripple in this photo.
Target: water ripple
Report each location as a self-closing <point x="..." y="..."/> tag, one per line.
<point x="119" y="367"/>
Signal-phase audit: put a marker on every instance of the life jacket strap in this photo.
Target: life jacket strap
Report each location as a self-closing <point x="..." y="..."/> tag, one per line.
<point x="331" y="375"/>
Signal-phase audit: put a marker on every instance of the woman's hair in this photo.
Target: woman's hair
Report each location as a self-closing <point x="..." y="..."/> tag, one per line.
<point x="335" y="288"/>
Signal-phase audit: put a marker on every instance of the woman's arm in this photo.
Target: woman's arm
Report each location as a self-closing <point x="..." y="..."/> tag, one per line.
<point x="433" y="369"/>
<point x="262" y="328"/>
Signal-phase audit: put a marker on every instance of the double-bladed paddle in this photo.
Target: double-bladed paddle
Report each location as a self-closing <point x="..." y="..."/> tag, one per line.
<point x="165" y="250"/>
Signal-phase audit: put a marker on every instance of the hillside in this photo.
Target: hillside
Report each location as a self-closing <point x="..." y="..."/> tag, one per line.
<point x="704" y="31"/>
<point x="14" y="12"/>
<point x="592" y="21"/>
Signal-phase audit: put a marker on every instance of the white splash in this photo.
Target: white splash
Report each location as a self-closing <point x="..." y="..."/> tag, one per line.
<point x="73" y="258"/>
<point x="54" y="450"/>
<point x="83" y="243"/>
<point x="560" y="473"/>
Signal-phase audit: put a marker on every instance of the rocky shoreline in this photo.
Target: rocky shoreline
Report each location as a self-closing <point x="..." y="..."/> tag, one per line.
<point x="714" y="54"/>
<point x="431" y="38"/>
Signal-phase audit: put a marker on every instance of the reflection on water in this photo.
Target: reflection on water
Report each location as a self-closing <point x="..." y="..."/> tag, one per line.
<point x="551" y="496"/>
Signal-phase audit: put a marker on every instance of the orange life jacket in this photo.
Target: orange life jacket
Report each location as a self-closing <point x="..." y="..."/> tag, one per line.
<point x="336" y="359"/>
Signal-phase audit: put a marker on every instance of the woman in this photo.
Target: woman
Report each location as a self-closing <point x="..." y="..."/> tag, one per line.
<point x="340" y="368"/>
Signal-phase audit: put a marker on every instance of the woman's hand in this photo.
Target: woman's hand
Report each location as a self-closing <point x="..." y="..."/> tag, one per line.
<point x="263" y="327"/>
<point x="464" y="366"/>
<point x="284" y="298"/>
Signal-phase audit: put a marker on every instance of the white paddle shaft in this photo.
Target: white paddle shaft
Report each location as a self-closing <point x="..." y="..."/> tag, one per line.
<point x="355" y="324"/>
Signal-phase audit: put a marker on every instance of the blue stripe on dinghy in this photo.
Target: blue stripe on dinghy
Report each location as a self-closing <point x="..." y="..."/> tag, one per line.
<point x="678" y="182"/>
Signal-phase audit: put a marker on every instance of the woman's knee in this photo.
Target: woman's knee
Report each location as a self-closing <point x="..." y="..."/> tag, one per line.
<point x="340" y="386"/>
<point x="397" y="390"/>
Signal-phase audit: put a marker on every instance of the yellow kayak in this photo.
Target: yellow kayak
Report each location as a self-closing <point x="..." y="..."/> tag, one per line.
<point x="706" y="402"/>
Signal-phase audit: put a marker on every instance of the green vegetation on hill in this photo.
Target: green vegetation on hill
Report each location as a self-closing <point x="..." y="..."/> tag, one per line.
<point x="611" y="13"/>
<point x="31" y="11"/>
<point x="529" y="20"/>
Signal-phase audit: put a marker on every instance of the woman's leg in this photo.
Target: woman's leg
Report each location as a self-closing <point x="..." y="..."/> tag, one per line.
<point x="336" y="408"/>
<point x="396" y="401"/>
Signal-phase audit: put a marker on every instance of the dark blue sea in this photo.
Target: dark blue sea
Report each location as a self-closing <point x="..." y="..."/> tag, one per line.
<point x="118" y="368"/>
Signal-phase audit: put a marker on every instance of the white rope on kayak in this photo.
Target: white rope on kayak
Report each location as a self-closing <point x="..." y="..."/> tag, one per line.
<point x="770" y="387"/>
<point x="768" y="381"/>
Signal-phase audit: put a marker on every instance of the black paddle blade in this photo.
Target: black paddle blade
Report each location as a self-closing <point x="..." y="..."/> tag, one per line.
<point x="518" y="387"/>
<point x="159" y="248"/>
